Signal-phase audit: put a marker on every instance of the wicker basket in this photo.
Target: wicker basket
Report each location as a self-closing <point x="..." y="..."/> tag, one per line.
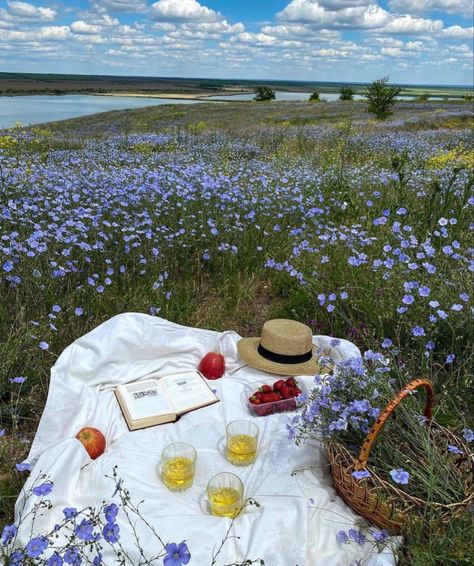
<point x="378" y="501"/>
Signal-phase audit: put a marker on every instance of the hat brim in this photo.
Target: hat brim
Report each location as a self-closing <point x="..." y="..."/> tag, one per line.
<point x="248" y="351"/>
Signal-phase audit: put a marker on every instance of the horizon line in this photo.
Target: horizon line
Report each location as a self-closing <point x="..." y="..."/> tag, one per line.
<point x="233" y="79"/>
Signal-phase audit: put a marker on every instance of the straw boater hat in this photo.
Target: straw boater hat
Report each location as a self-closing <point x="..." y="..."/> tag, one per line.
<point x="285" y="348"/>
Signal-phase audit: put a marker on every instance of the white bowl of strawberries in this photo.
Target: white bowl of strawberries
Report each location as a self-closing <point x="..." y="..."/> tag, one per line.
<point x="264" y="399"/>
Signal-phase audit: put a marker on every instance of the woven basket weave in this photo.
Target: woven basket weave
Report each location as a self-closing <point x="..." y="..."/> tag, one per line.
<point x="379" y="502"/>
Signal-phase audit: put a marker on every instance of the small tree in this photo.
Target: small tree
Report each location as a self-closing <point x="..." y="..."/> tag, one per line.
<point x="346" y="93"/>
<point x="314" y="97"/>
<point x="381" y="97"/>
<point x="264" y="93"/>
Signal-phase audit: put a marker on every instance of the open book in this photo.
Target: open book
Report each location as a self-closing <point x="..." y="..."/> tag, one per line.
<point x="163" y="399"/>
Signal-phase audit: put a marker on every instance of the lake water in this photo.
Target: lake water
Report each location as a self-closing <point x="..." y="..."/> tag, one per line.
<point x="36" y="109"/>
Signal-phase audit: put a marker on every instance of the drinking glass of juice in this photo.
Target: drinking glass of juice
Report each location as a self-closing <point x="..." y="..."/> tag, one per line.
<point x="225" y="493"/>
<point x="241" y="442"/>
<point x="178" y="465"/>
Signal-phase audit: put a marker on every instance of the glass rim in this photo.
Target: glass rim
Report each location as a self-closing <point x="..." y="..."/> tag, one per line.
<point x="180" y="445"/>
<point x="246" y="422"/>
<point x="241" y="483"/>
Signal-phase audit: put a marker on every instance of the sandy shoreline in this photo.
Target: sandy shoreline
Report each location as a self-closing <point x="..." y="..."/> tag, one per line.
<point x="171" y="95"/>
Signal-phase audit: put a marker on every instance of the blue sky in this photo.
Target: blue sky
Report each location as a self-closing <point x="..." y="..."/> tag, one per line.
<point x="414" y="41"/>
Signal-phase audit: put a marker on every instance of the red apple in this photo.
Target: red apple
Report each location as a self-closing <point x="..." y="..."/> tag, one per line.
<point x="93" y="441"/>
<point x="212" y="365"/>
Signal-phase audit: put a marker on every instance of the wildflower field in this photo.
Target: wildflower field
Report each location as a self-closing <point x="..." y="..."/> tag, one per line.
<point x="225" y="215"/>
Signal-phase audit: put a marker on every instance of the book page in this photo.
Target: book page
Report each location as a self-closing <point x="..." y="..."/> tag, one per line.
<point x="187" y="390"/>
<point x="145" y="399"/>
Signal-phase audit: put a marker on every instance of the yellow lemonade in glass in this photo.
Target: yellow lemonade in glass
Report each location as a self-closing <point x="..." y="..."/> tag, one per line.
<point x="225" y="501"/>
<point x="178" y="473"/>
<point x="241" y="449"/>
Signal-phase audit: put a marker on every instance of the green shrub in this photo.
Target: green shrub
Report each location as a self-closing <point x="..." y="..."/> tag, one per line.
<point x="264" y="94"/>
<point x="314" y="97"/>
<point x="346" y="93"/>
<point x="381" y="97"/>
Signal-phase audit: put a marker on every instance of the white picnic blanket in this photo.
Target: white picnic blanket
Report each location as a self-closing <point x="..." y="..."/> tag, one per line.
<point x="299" y="515"/>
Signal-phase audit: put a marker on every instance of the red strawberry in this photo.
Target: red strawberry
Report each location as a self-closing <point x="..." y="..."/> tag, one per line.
<point x="270" y="397"/>
<point x="254" y="400"/>
<point x="290" y="382"/>
<point x="297" y="391"/>
<point x="286" y="392"/>
<point x="266" y="389"/>
<point x="278" y="385"/>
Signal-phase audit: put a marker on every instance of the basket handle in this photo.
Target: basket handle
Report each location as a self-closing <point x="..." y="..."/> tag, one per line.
<point x="361" y="461"/>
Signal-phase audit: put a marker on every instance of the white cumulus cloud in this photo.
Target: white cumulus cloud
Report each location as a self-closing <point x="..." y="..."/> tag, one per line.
<point x="464" y="7"/>
<point x="407" y="25"/>
<point x="183" y="11"/>
<point x="300" y="31"/>
<point x="29" y="12"/>
<point x="80" y="26"/>
<point x="458" y="32"/>
<point x="122" y="5"/>
<point x="335" y="14"/>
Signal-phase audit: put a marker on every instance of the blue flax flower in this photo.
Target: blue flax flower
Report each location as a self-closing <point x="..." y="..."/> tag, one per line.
<point x="400" y="476"/>
<point x="110" y="512"/>
<point x="69" y="512"/>
<point x="468" y="434"/>
<point x="357" y="536"/>
<point x="418" y="331"/>
<point x="342" y="537"/>
<point x="36" y="546"/>
<point x="55" y="560"/>
<point x="9" y="531"/>
<point x="176" y="554"/>
<point x="43" y="489"/>
<point x="19" y="379"/>
<point x="360" y="474"/>
<point x="380" y="536"/>
<point x="72" y="556"/>
<point x="84" y="530"/>
<point x="16" y="559"/>
<point x="111" y="532"/>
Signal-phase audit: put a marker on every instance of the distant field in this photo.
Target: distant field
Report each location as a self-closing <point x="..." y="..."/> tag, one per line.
<point x="32" y="83"/>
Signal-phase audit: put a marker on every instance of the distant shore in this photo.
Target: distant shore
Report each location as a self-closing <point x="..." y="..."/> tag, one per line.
<point x="173" y="95"/>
